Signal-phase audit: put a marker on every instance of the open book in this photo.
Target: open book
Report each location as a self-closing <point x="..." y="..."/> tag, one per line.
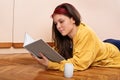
<point x="35" y="47"/>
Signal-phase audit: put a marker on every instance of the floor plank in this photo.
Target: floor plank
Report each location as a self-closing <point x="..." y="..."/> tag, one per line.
<point x="24" y="67"/>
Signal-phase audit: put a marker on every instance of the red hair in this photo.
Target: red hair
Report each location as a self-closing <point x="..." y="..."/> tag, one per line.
<point x="59" y="11"/>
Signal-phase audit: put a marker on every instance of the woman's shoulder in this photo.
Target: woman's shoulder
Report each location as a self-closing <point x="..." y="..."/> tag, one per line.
<point x="85" y="29"/>
<point x="83" y="26"/>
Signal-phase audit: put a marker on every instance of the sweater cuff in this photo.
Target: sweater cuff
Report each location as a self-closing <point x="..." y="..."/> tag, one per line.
<point x="54" y="65"/>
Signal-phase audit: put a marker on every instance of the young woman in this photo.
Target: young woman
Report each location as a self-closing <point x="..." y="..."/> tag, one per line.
<point x="78" y="44"/>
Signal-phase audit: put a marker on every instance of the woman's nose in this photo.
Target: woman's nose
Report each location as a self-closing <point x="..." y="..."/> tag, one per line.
<point x="58" y="25"/>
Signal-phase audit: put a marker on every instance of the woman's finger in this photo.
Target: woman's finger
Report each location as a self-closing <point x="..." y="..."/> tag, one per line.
<point x="43" y="56"/>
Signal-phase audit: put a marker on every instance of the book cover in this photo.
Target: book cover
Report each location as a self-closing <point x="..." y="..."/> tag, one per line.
<point x="35" y="47"/>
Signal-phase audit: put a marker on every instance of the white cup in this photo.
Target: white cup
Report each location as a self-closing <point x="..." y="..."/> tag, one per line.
<point x="68" y="70"/>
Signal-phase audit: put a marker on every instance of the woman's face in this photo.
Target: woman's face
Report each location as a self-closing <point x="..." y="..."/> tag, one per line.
<point x="64" y="24"/>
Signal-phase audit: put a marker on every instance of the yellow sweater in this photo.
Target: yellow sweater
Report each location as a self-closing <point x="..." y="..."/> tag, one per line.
<point x="88" y="51"/>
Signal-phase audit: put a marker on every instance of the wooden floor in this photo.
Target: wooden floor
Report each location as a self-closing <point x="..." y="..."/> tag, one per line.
<point x="24" y="67"/>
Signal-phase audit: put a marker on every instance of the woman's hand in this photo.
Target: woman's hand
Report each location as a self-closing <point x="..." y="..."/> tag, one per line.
<point x="44" y="61"/>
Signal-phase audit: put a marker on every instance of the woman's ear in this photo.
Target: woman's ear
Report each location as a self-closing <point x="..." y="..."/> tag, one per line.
<point x="72" y="20"/>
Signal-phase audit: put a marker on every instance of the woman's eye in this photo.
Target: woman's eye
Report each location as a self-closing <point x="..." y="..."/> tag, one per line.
<point x="61" y="21"/>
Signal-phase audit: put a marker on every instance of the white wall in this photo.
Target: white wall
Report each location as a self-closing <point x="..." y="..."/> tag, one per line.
<point x="33" y="16"/>
<point x="103" y="16"/>
<point x="6" y="19"/>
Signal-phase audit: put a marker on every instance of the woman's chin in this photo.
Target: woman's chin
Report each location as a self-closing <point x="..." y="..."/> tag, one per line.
<point x="63" y="34"/>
